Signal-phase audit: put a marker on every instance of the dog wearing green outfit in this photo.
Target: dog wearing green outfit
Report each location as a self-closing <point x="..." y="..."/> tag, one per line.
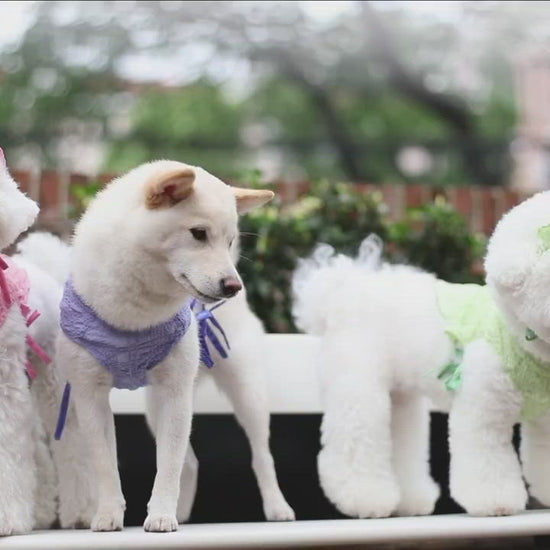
<point x="396" y="342"/>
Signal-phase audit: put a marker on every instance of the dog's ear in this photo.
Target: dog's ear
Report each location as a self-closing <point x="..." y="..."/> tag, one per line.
<point x="2" y="159"/>
<point x="248" y="199"/>
<point x="169" y="188"/>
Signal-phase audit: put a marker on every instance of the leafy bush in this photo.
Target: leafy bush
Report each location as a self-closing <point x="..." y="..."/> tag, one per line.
<point x="434" y="237"/>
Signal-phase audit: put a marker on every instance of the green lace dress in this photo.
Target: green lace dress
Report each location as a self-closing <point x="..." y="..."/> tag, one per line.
<point x="471" y="314"/>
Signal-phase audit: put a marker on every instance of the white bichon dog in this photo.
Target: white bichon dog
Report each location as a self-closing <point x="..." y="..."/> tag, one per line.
<point x="376" y="348"/>
<point x="394" y="337"/>
<point x="32" y="494"/>
<point x="69" y="481"/>
<point x="23" y="450"/>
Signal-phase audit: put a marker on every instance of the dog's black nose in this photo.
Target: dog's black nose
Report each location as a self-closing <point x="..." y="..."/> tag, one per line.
<point x="230" y="286"/>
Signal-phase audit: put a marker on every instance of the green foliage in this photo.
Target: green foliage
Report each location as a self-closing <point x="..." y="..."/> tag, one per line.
<point x="434" y="237"/>
<point x="82" y="195"/>
<point x="274" y="237"/>
<point x="196" y="124"/>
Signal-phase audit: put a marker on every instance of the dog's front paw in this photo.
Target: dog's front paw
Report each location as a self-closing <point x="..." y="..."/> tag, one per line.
<point x="17" y="521"/>
<point x="418" y="499"/>
<point x="108" y="519"/>
<point x="491" y="496"/>
<point x="160" y="523"/>
<point x="278" y="510"/>
<point x="357" y="494"/>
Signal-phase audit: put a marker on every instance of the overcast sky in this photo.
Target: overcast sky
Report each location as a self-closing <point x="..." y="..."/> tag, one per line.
<point x="15" y="15"/>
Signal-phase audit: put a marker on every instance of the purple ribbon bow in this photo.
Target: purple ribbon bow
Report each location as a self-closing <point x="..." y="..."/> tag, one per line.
<point x="205" y="317"/>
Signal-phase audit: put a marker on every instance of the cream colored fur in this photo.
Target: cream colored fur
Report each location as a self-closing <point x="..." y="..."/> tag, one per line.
<point x="136" y="262"/>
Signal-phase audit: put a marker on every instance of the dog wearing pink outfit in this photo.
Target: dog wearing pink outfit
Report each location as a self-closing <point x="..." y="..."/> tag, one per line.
<point x="20" y="436"/>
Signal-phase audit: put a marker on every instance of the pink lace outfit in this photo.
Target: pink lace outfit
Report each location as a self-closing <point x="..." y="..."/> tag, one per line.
<point x="14" y="289"/>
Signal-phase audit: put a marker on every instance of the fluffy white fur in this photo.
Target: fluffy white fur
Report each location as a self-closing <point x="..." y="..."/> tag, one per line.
<point x="17" y="211"/>
<point x="20" y="445"/>
<point x="70" y="482"/>
<point x="384" y="341"/>
<point x="136" y="261"/>
<point x="381" y="333"/>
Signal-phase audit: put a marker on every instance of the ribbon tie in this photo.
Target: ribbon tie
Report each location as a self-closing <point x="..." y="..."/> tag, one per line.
<point x="205" y="318"/>
<point x="30" y="317"/>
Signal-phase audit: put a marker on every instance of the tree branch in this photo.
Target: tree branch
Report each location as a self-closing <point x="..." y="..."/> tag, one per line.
<point x="336" y="130"/>
<point x="451" y="109"/>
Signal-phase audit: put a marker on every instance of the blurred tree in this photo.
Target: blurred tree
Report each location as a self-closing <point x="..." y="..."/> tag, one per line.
<point x="195" y="123"/>
<point x="337" y="94"/>
<point x="58" y="78"/>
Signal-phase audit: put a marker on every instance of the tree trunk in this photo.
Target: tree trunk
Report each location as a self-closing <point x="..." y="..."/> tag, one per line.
<point x="451" y="109"/>
<point x="336" y="130"/>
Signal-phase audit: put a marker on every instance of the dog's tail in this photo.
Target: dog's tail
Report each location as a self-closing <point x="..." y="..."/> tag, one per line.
<point x="47" y="252"/>
<point x="318" y="279"/>
<point x="324" y="256"/>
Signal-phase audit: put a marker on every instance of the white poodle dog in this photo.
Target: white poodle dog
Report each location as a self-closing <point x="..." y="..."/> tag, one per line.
<point x="381" y="333"/>
<point x="394" y="338"/>
<point x="68" y="482"/>
<point x="22" y="444"/>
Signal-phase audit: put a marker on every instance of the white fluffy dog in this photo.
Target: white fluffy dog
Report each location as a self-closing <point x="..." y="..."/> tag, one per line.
<point x="392" y="337"/>
<point x="381" y="333"/>
<point x="152" y="240"/>
<point x="68" y="483"/>
<point x="21" y="438"/>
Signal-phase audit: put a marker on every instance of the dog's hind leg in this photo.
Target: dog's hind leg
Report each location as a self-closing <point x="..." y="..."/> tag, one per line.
<point x="355" y="461"/>
<point x="71" y="457"/>
<point x="411" y="459"/>
<point x="243" y="381"/>
<point x="535" y="456"/>
<point x="46" y="487"/>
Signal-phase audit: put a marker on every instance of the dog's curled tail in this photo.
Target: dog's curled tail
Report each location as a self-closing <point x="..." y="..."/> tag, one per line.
<point x="369" y="256"/>
<point x="47" y="252"/>
<point x="317" y="280"/>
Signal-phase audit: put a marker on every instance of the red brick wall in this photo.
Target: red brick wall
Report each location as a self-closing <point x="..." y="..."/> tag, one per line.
<point x="481" y="206"/>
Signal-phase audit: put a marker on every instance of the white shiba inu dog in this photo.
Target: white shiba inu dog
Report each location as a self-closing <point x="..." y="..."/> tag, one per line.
<point x="150" y="241"/>
<point x="242" y="378"/>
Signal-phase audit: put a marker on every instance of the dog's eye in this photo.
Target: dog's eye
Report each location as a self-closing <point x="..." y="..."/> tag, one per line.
<point x="231" y="242"/>
<point x="198" y="234"/>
